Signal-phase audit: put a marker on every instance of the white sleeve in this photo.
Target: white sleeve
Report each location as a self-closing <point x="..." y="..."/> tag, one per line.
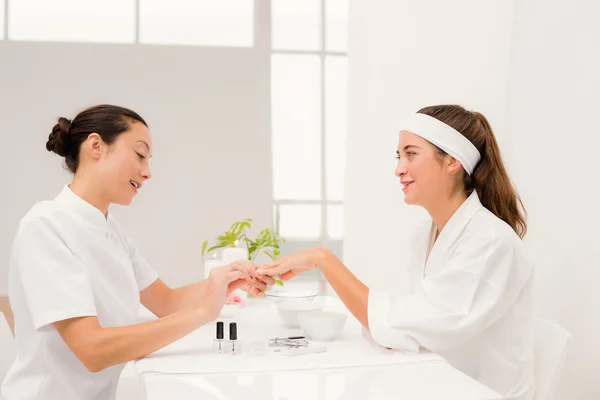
<point x="55" y="283"/>
<point x="469" y="293"/>
<point x="145" y="275"/>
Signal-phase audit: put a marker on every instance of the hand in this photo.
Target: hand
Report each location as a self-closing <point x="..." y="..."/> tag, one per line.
<point x="217" y="287"/>
<point x="289" y="266"/>
<point x="255" y="285"/>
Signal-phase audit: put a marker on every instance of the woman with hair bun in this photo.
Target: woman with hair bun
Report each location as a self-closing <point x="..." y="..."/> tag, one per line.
<point x="76" y="280"/>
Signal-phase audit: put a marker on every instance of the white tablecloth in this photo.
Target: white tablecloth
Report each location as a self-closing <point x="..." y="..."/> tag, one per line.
<point x="422" y="381"/>
<point x="260" y="322"/>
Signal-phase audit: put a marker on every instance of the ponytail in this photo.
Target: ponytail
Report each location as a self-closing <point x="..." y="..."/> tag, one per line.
<point x="490" y="179"/>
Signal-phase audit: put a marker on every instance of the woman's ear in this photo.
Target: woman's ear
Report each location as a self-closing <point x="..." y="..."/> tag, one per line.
<point x="94" y="145"/>
<point x="453" y="165"/>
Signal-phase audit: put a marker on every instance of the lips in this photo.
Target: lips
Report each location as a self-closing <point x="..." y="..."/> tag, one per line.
<point x="135" y="184"/>
<point x="406" y="184"/>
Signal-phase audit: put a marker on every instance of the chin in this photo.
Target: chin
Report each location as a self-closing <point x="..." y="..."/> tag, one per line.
<point x="124" y="201"/>
<point x="411" y="201"/>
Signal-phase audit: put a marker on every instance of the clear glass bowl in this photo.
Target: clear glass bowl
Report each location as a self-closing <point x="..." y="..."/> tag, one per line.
<point x="279" y="295"/>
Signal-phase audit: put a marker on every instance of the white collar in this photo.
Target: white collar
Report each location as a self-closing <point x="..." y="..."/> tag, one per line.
<point x="81" y="208"/>
<point x="454" y="227"/>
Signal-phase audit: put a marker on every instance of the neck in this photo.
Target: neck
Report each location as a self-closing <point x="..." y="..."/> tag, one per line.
<point x="443" y="211"/>
<point x="82" y="186"/>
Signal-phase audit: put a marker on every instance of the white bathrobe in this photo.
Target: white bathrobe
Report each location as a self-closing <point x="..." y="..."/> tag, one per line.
<point x="471" y="301"/>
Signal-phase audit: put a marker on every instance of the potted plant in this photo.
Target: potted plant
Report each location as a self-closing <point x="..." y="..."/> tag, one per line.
<point x="266" y="242"/>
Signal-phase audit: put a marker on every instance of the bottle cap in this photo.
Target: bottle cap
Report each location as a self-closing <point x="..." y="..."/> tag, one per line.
<point x="232" y="331"/>
<point x="220" y="334"/>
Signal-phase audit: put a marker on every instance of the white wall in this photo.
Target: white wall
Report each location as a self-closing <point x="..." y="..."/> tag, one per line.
<point x="554" y="140"/>
<point x="208" y="111"/>
<point x="532" y="68"/>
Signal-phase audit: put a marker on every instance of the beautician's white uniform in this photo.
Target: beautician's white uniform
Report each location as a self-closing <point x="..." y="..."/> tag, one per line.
<point x="67" y="261"/>
<point x="471" y="301"/>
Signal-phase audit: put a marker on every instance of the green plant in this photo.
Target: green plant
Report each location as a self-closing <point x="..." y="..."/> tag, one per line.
<point x="266" y="242"/>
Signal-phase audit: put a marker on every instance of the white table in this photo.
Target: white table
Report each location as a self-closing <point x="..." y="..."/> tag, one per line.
<point x="425" y="381"/>
<point x="352" y="368"/>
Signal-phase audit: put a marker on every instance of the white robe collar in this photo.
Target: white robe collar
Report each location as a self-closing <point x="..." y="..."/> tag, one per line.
<point x="452" y="230"/>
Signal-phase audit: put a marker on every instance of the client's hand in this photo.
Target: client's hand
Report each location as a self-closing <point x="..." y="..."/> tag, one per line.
<point x="255" y="285"/>
<point x="287" y="267"/>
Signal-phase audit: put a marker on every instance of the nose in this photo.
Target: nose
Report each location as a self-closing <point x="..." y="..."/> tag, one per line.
<point x="400" y="168"/>
<point x="146" y="173"/>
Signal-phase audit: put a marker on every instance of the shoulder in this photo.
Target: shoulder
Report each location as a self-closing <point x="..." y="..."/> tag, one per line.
<point x="37" y="231"/>
<point x="487" y="228"/>
<point x="488" y="238"/>
<point x="43" y="213"/>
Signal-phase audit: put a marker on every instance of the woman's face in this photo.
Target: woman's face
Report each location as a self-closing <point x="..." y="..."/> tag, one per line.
<point x="424" y="179"/>
<point x="124" y="166"/>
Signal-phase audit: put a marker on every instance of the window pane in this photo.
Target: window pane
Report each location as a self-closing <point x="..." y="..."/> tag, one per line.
<point x="336" y="25"/>
<point x="2" y="5"/>
<point x="335" y="222"/>
<point x="335" y="125"/>
<point x="300" y="221"/>
<point x="110" y="21"/>
<point x="296" y="126"/>
<point x="296" y="24"/>
<point x="197" y="22"/>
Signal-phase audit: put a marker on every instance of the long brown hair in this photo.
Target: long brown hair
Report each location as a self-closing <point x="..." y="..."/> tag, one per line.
<point x="490" y="179"/>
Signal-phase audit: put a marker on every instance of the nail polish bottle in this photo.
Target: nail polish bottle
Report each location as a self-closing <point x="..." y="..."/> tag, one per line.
<point x="234" y="347"/>
<point x="219" y="342"/>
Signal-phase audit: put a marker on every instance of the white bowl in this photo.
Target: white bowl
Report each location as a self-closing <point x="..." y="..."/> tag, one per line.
<point x="230" y="310"/>
<point x="290" y="309"/>
<point x="323" y="326"/>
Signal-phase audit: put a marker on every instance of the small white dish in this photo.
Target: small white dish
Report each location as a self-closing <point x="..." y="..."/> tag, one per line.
<point x="322" y="326"/>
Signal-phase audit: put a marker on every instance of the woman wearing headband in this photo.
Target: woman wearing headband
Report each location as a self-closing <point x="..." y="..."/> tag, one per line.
<point x="471" y="297"/>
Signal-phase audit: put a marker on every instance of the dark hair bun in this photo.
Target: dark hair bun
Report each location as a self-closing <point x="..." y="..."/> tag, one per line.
<point x="59" y="140"/>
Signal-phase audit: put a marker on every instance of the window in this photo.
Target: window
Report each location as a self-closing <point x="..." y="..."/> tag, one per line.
<point x="335" y="125"/>
<point x="296" y="25"/>
<point x="300" y="221"/>
<point x="197" y="22"/>
<point x="337" y="25"/>
<point x="110" y="21"/>
<point x="308" y="114"/>
<point x="296" y="126"/>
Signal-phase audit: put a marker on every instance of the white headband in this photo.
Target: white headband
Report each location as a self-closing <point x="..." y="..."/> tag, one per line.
<point x="446" y="138"/>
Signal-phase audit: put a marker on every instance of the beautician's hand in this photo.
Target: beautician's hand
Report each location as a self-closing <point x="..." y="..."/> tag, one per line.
<point x="287" y="267"/>
<point x="256" y="285"/>
<point x="217" y="287"/>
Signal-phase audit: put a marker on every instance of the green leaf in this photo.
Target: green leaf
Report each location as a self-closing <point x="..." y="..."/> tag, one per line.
<point x="245" y="224"/>
<point x="251" y="250"/>
<point x="218" y="246"/>
<point x="204" y="247"/>
<point x="279" y="282"/>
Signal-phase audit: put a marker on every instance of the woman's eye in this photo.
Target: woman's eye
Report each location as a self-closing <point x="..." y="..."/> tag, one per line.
<point x="140" y="156"/>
